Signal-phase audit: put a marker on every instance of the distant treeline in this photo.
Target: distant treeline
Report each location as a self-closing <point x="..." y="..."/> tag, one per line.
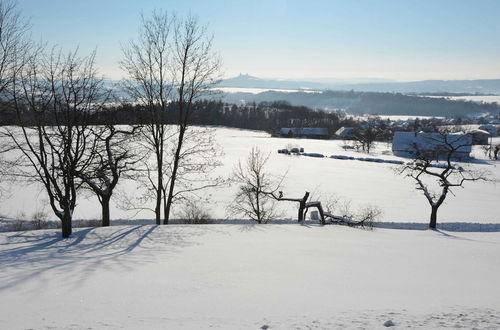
<point x="266" y="116"/>
<point x="371" y="103"/>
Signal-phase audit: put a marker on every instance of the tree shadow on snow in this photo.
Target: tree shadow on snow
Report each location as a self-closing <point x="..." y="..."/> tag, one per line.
<point x="446" y="226"/>
<point x="29" y="255"/>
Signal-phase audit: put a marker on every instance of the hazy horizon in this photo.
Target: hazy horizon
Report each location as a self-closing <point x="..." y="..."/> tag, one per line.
<point x="293" y="40"/>
<point x="347" y="80"/>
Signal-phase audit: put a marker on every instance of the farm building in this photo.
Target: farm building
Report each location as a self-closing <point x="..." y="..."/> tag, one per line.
<point x="480" y="137"/>
<point x="344" y="132"/>
<point x="305" y="132"/>
<point x="436" y="145"/>
<point x="492" y="129"/>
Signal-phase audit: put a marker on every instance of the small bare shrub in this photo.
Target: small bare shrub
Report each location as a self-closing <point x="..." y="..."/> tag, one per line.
<point x="346" y="215"/>
<point x="18" y="225"/>
<point x="39" y="220"/>
<point x="88" y="223"/>
<point x="193" y="214"/>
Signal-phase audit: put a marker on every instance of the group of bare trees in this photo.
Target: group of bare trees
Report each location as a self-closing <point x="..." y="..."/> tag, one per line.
<point x="172" y="61"/>
<point x="60" y="89"/>
<point x="436" y="173"/>
<point x="54" y="93"/>
<point x="259" y="192"/>
<point x="364" y="138"/>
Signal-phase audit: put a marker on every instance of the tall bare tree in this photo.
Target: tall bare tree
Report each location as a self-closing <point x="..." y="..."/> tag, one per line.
<point x="170" y="66"/>
<point x="438" y="178"/>
<point x="195" y="70"/>
<point x="54" y="93"/>
<point x="147" y="62"/>
<point x="13" y="43"/>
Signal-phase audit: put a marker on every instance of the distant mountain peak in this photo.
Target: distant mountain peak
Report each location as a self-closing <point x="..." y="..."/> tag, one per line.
<point x="246" y="76"/>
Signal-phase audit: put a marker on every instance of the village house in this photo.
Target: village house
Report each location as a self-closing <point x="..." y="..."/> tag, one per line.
<point x="435" y="145"/>
<point x="305" y="132"/>
<point x="480" y="137"/>
<point x="492" y="129"/>
<point x="345" y="133"/>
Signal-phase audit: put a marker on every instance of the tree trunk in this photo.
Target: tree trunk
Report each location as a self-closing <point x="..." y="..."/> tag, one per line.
<point x="321" y="214"/>
<point x="174" y="174"/>
<point x="66" y="224"/>
<point x="158" y="200"/>
<point x="433" y="222"/>
<point x="302" y="206"/>
<point x="105" y="211"/>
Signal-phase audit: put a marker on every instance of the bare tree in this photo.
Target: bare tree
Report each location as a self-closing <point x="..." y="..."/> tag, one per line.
<point x="147" y="62"/>
<point x="111" y="158"/>
<point x="195" y="163"/>
<point x="54" y="94"/>
<point x="365" y="137"/>
<point x="195" y="70"/>
<point x="437" y="178"/>
<point x="257" y="188"/>
<point x="170" y="66"/>
<point x="13" y="43"/>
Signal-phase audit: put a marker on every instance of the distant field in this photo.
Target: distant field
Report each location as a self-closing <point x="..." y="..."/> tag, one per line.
<point x="474" y="98"/>
<point x="359" y="181"/>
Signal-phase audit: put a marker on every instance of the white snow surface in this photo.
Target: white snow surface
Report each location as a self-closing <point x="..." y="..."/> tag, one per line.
<point x="249" y="277"/>
<point x="362" y="182"/>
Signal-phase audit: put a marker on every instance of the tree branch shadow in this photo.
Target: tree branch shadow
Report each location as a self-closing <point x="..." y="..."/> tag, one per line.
<point x="87" y="251"/>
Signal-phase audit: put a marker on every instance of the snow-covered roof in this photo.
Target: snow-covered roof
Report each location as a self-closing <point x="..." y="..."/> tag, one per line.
<point x="304" y="131"/>
<point x="480" y="131"/>
<point x="344" y="131"/>
<point x="413" y="142"/>
<point x="490" y="128"/>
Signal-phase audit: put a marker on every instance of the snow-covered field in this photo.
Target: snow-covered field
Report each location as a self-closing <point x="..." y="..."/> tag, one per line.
<point x="276" y="276"/>
<point x="362" y="182"/>
<point x="249" y="277"/>
<point x="477" y="98"/>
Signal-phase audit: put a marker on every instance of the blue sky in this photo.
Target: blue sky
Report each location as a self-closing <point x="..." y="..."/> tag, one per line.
<point x="394" y="39"/>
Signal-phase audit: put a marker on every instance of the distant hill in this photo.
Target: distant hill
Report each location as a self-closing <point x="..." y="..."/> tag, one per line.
<point x="247" y="81"/>
<point x="483" y="86"/>
<point x="370" y="103"/>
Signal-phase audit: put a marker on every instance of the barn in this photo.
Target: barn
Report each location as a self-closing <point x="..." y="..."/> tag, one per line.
<point x="345" y="133"/>
<point x="435" y="145"/>
<point x="305" y="132"/>
<point x="480" y="137"/>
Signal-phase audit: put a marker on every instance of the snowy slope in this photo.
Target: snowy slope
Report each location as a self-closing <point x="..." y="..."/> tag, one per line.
<point x="248" y="277"/>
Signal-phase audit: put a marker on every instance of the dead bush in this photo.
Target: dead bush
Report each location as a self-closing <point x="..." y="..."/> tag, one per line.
<point x="193" y="214"/>
<point x="39" y="220"/>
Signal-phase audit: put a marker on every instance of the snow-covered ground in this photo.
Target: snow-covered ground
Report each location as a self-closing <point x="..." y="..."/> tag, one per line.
<point x="474" y="98"/>
<point x="249" y="277"/>
<point x="362" y="182"/>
